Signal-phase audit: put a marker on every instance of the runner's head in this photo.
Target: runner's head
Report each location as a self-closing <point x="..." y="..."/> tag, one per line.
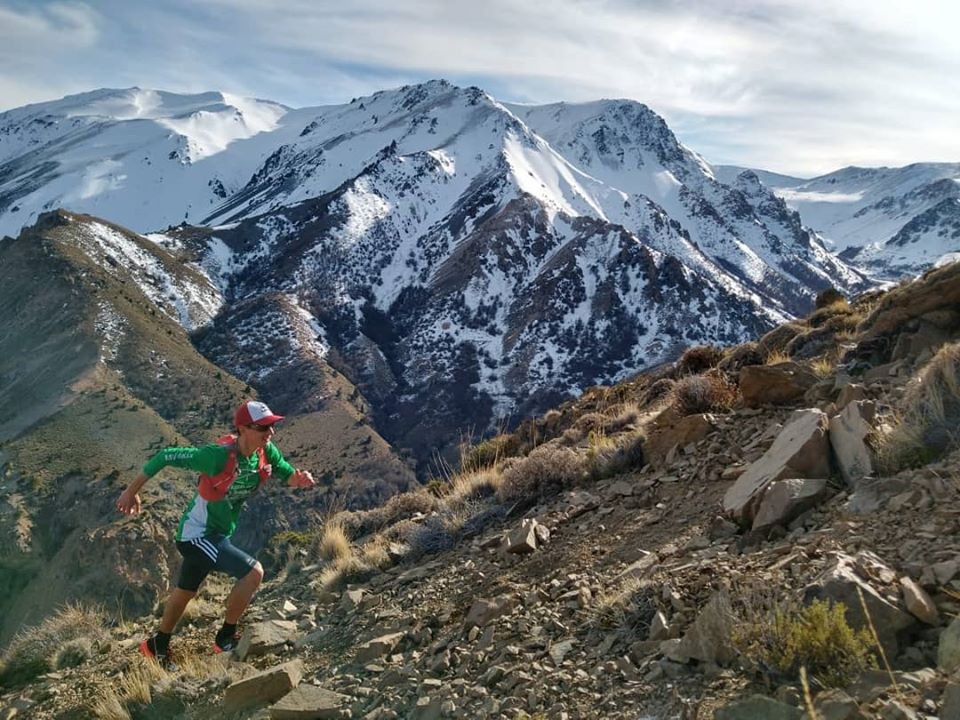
<point x="256" y="416"/>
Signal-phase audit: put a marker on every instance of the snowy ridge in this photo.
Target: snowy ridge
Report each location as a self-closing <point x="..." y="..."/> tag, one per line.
<point x="893" y="222"/>
<point x="461" y="260"/>
<point x="188" y="298"/>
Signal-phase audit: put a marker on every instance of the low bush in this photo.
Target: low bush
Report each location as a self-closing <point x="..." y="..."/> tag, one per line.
<point x="699" y="359"/>
<point x="828" y="297"/>
<point x="740" y="356"/>
<point x="704" y="393"/>
<point x="657" y="391"/>
<point x="545" y="471"/>
<point x="781" y="640"/>
<point x="405" y="505"/>
<point x="34" y="651"/>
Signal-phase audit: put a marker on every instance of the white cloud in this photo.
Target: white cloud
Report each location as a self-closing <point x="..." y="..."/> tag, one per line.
<point x="800" y="86"/>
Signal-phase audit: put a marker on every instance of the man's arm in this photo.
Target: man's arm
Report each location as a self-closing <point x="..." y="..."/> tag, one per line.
<point x="285" y="471"/>
<point x="208" y="460"/>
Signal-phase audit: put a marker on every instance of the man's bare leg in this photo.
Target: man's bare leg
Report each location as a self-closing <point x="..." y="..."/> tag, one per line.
<point x="242" y="594"/>
<point x="173" y="610"/>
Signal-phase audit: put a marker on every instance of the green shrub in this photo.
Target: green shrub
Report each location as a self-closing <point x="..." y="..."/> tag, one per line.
<point x="817" y="637"/>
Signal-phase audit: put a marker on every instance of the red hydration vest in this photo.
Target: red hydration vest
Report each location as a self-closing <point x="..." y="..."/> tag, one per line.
<point x="215" y="487"/>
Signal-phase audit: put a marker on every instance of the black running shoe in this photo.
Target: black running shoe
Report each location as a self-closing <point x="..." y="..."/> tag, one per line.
<point x="227" y="644"/>
<point x="149" y="650"/>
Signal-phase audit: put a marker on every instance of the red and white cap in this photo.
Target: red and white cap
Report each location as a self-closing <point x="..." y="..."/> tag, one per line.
<point x="254" y="412"/>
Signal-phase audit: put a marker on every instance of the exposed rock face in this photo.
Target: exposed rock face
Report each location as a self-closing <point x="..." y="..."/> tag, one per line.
<point x="800" y="450"/>
<point x="777" y="384"/>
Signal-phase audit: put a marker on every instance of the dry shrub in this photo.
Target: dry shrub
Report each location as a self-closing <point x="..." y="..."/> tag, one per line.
<point x="545" y="471"/>
<point x="398" y="507"/>
<point x="822" y="314"/>
<point x="779" y="337"/>
<point x="781" y="639"/>
<point x="622" y="416"/>
<point x="824" y="367"/>
<point x="740" y="356"/>
<point x="657" y="391"/>
<point x="343" y="571"/>
<point x="828" y="297"/>
<point x="699" y="359"/>
<point x="34" y="651"/>
<point x="928" y="418"/>
<point x="334" y="543"/>
<point x="474" y="485"/>
<point x="488" y="453"/>
<point x="711" y="392"/>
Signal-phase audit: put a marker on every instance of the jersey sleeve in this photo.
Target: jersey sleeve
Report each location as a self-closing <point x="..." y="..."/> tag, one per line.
<point x="208" y="460"/>
<point x="281" y="468"/>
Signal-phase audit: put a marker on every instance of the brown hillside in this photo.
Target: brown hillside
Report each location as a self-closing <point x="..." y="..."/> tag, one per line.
<point x="677" y="546"/>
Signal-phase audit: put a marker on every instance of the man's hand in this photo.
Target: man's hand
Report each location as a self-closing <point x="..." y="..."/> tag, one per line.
<point x="129" y="502"/>
<point x="301" y="479"/>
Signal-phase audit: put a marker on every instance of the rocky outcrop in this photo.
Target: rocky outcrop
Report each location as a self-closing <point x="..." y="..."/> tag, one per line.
<point x="801" y="450"/>
<point x="778" y="384"/>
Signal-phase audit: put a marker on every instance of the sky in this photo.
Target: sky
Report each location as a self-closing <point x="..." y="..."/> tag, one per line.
<point x="801" y="87"/>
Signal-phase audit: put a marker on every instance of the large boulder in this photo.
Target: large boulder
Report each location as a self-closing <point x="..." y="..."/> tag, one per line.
<point x="868" y="574"/>
<point x="777" y="384"/>
<point x="849" y="431"/>
<point x="801" y="450"/>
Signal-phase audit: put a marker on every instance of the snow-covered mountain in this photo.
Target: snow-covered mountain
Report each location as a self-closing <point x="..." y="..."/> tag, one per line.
<point x="892" y="222"/>
<point x="460" y="259"/>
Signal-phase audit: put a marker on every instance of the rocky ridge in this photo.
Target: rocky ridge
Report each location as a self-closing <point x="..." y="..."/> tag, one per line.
<point x="632" y="531"/>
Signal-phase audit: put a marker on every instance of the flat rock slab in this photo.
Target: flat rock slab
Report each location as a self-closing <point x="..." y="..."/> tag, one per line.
<point x="758" y="707"/>
<point x="801" y="450"/>
<point x="786" y="499"/>
<point x="265" y="637"/>
<point x="774" y="384"/>
<point x="309" y="702"/>
<point x="849" y="431"/>
<point x="378" y="647"/>
<point x="264" y="687"/>
<point x="484" y="611"/>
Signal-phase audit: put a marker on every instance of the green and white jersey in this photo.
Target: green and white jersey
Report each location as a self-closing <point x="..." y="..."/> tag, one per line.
<point x="204" y="518"/>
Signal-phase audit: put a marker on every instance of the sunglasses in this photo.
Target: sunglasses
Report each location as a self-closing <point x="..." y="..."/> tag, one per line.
<point x="260" y="428"/>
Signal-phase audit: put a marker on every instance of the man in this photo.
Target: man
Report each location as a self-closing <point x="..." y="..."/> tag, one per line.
<point x="230" y="472"/>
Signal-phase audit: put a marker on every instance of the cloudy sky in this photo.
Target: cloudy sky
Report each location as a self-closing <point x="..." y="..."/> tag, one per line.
<point x="796" y="86"/>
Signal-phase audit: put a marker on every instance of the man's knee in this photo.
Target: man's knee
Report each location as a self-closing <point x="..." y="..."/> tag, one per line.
<point x="256" y="573"/>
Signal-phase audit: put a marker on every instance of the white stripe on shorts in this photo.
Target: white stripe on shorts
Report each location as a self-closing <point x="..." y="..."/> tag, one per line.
<point x="206" y="547"/>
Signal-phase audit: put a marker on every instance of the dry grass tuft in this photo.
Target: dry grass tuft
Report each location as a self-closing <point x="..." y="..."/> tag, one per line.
<point x="109" y="707"/>
<point x="824" y="367"/>
<point x="334" y="543"/>
<point x="776" y="357"/>
<point x="822" y="314"/>
<point x="34" y="651"/>
<point x="343" y="571"/>
<point x="927" y="421"/>
<point x="704" y="393"/>
<point x="467" y="486"/>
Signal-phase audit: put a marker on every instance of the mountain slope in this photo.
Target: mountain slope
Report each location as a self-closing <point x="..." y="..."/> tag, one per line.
<point x="98" y="358"/>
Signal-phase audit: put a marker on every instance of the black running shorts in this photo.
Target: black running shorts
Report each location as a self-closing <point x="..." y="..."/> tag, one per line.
<point x="203" y="555"/>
